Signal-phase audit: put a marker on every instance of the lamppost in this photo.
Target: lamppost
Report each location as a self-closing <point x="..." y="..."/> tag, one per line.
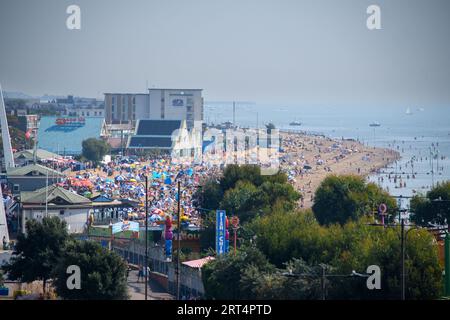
<point x="178" y="269"/>
<point x="179" y="240"/>
<point x="146" y="236"/>
<point x="403" y="237"/>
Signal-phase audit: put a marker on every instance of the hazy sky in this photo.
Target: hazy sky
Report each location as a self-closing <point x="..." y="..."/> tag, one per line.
<point x="268" y="51"/>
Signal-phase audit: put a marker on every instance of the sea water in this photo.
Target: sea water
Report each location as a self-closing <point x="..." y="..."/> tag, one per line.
<point x="425" y="131"/>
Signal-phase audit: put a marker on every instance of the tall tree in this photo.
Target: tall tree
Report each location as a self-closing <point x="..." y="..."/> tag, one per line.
<point x="103" y="273"/>
<point x="37" y="251"/>
<point x="342" y="198"/>
<point x="434" y="208"/>
<point x="95" y="149"/>
<point x="222" y="277"/>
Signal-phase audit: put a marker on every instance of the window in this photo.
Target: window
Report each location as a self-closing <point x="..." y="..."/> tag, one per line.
<point x="61" y="212"/>
<point x="16" y="187"/>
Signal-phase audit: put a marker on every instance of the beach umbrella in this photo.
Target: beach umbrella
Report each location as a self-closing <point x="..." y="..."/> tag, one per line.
<point x="155" y="217"/>
<point x="87" y="194"/>
<point x="133" y="180"/>
<point x="86" y="183"/>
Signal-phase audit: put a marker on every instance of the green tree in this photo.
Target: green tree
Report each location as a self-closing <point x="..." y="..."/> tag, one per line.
<point x="434" y="208"/>
<point x="356" y="245"/>
<point x="2" y="279"/>
<point x="244" y="200"/>
<point x="211" y="195"/>
<point x="222" y="276"/>
<point x="37" y="251"/>
<point x="103" y="273"/>
<point x="282" y="236"/>
<point x="342" y="198"/>
<point x="234" y="173"/>
<point x="95" y="149"/>
<point x="304" y="285"/>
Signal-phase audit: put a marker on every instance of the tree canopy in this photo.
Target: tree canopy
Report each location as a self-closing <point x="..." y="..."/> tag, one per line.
<point x="37" y="251"/>
<point x="339" y="199"/>
<point x="353" y="246"/>
<point x="103" y="273"/>
<point x="95" y="149"/>
<point x="434" y="208"/>
<point x="244" y="192"/>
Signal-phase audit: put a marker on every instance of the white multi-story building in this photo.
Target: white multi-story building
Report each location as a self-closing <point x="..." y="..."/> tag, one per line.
<point x="157" y="104"/>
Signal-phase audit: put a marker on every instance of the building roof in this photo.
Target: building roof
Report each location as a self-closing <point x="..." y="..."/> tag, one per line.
<point x="68" y="139"/>
<point x="198" y="263"/>
<point x="41" y="154"/>
<point x="150" y="142"/>
<point x="157" y="127"/>
<point x="33" y="170"/>
<point x="56" y="195"/>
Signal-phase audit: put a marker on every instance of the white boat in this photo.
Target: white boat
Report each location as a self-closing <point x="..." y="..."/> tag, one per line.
<point x="408" y="111"/>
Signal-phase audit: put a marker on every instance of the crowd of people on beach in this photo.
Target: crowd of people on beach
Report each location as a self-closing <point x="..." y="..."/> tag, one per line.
<point x="124" y="178"/>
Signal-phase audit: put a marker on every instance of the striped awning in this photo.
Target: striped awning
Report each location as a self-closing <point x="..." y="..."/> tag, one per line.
<point x="198" y="263"/>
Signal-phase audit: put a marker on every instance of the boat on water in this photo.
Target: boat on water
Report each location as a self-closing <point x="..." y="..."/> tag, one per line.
<point x="375" y="124"/>
<point x="295" y="123"/>
<point x="408" y="111"/>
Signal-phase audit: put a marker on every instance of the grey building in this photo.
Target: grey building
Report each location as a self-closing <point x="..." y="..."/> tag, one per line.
<point x="157" y="104"/>
<point x="31" y="178"/>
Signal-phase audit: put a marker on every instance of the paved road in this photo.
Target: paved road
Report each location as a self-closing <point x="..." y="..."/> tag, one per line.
<point x="137" y="289"/>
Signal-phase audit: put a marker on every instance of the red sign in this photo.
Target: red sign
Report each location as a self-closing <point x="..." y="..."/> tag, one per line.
<point x="235" y="221"/>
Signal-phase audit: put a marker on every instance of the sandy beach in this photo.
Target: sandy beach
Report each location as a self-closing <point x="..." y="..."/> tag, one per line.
<point x="308" y="159"/>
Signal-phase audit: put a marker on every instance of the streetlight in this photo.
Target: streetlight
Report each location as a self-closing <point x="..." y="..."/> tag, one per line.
<point x="403" y="247"/>
<point x="178" y="269"/>
<point x="146" y="237"/>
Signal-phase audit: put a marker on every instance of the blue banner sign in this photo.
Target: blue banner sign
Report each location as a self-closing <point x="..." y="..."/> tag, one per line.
<point x="220" y="231"/>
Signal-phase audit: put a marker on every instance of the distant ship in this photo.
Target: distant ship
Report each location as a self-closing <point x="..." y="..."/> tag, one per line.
<point x="374" y="124"/>
<point x="408" y="111"/>
<point x="295" y="123"/>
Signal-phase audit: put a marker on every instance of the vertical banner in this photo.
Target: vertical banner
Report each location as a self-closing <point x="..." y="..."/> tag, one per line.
<point x="220" y="231"/>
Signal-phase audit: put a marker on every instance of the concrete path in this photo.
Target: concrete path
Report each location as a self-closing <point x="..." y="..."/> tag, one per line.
<point x="137" y="289"/>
